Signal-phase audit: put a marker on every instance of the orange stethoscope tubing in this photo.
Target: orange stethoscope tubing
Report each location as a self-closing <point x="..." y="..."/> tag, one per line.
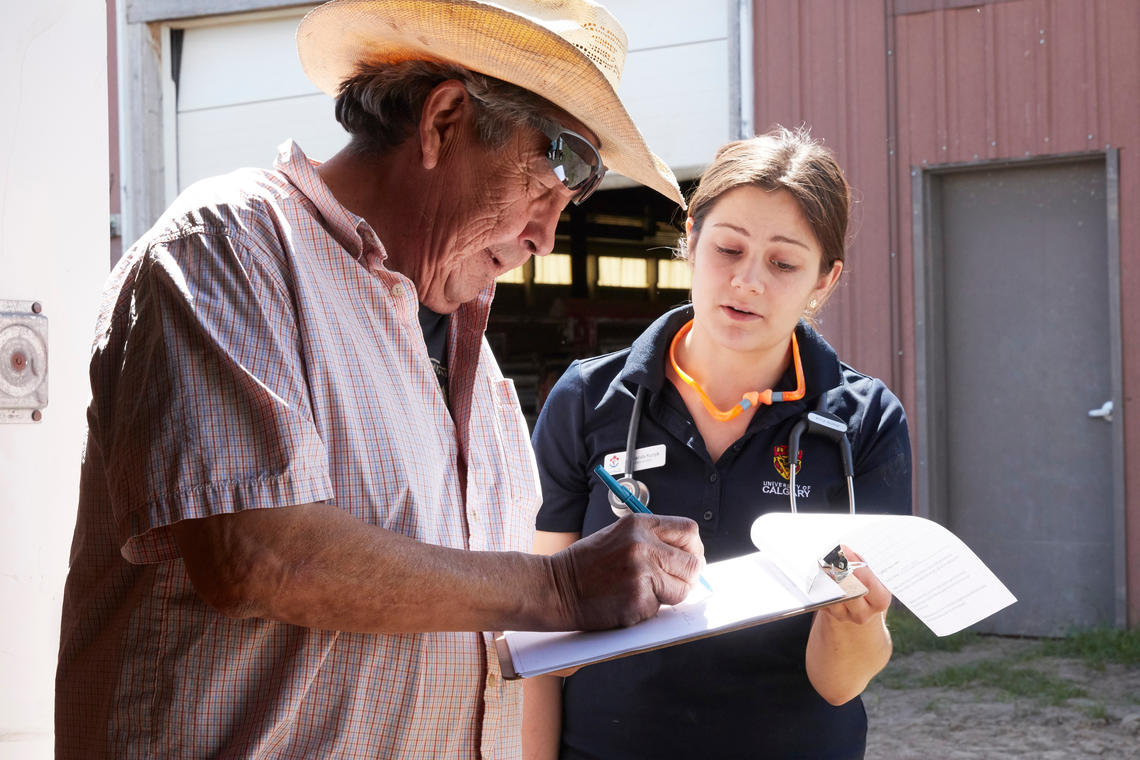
<point x="751" y="398"/>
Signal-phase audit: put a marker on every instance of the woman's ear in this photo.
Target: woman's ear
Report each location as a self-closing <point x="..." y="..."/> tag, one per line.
<point x="827" y="283"/>
<point x="688" y="241"/>
<point x="444" y="110"/>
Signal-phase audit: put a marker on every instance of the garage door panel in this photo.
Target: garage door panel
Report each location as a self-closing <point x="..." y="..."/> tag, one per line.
<point x="219" y="140"/>
<point x="669" y="22"/>
<point x="245" y="62"/>
<point x="670" y="87"/>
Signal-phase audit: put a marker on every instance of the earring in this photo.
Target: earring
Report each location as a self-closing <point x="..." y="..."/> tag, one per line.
<point x="812" y="303"/>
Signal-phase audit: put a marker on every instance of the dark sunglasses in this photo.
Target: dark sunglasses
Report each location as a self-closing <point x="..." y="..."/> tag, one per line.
<point x="575" y="161"/>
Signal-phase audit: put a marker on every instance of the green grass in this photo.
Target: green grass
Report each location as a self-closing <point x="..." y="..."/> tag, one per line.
<point x="1099" y="713"/>
<point x="909" y="634"/>
<point x="1017" y="682"/>
<point x="1097" y="647"/>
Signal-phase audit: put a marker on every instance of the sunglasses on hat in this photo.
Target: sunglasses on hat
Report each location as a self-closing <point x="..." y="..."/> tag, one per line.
<point x="575" y="161"/>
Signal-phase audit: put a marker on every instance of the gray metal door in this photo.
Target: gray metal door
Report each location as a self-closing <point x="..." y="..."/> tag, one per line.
<point x="1028" y="476"/>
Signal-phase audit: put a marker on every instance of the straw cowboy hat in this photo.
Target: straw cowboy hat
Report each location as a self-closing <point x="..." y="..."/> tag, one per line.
<point x="571" y="52"/>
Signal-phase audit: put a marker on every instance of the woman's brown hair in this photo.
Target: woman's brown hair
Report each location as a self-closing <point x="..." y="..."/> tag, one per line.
<point x="781" y="159"/>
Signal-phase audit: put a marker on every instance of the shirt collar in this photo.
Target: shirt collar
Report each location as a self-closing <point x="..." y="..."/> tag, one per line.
<point x="352" y="232"/>
<point x="645" y="364"/>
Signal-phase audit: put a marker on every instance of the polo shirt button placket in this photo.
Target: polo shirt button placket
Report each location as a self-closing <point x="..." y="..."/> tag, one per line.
<point x="708" y="514"/>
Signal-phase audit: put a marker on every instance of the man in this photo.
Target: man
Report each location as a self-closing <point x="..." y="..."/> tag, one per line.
<point x="307" y="487"/>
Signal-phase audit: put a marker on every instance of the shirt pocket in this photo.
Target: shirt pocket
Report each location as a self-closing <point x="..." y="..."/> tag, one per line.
<point x="520" y="471"/>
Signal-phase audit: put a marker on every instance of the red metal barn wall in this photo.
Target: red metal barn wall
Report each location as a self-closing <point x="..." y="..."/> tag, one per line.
<point x="893" y="84"/>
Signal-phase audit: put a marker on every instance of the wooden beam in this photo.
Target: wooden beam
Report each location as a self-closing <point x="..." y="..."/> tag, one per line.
<point x="147" y="11"/>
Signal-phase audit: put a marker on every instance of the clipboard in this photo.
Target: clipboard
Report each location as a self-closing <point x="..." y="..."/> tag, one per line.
<point x="746" y="591"/>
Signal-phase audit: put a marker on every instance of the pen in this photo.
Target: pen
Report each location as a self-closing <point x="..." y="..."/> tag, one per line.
<point x="622" y="492"/>
<point x="631" y="501"/>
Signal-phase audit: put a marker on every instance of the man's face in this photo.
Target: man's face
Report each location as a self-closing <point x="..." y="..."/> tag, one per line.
<point x="499" y="207"/>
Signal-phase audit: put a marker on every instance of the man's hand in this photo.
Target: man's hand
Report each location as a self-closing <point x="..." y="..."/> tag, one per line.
<point x="621" y="575"/>
<point x="315" y="565"/>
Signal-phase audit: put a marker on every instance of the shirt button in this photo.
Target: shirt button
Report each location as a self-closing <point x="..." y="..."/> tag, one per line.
<point x="712" y="478"/>
<point x="708" y="515"/>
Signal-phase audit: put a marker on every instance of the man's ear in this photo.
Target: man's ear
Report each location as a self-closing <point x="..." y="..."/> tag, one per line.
<point x="445" y="108"/>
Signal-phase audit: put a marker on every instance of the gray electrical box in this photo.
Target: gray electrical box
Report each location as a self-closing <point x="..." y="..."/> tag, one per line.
<point x="23" y="361"/>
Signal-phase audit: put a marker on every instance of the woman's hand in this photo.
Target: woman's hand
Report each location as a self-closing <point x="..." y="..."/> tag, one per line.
<point x="849" y="642"/>
<point x="867" y="608"/>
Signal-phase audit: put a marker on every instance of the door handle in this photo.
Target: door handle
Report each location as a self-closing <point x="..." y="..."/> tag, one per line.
<point x="1104" y="413"/>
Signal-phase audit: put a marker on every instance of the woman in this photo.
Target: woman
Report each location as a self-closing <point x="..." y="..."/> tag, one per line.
<point x="765" y="243"/>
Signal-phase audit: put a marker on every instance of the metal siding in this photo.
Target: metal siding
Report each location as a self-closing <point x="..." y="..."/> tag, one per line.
<point x="996" y="80"/>
<point x="1006" y="81"/>
<point x="1029" y="78"/>
<point x="822" y="63"/>
<point x="1118" y="85"/>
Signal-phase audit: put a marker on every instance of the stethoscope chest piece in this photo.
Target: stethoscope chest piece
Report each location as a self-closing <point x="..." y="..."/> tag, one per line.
<point x="636" y="487"/>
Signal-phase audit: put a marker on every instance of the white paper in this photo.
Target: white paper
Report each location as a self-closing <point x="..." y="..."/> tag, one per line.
<point x="745" y="589"/>
<point x="924" y="565"/>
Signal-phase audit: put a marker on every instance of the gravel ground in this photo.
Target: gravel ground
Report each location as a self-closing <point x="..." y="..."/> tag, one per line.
<point x="971" y="722"/>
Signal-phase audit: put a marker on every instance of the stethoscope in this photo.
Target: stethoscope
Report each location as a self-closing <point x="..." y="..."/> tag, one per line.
<point x="817" y="422"/>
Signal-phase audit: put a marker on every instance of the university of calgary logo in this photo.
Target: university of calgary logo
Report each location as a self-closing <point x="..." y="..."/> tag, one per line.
<point x="780" y="459"/>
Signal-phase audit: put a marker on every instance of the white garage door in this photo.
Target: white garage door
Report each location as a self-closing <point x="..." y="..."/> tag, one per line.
<point x="241" y="93"/>
<point x="241" y="90"/>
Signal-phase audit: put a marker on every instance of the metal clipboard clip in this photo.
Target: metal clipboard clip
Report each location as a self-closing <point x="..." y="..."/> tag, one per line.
<point x="836" y="564"/>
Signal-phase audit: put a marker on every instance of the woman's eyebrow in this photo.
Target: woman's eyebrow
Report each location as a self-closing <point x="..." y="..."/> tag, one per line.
<point x="793" y="241"/>
<point x="774" y="238"/>
<point x="734" y="227"/>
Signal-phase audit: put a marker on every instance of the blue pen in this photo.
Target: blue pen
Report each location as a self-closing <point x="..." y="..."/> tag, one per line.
<point x="631" y="501"/>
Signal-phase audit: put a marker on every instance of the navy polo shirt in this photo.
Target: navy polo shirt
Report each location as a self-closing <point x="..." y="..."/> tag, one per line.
<point x="743" y="694"/>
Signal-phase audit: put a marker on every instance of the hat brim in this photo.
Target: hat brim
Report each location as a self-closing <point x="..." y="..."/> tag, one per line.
<point x="334" y="38"/>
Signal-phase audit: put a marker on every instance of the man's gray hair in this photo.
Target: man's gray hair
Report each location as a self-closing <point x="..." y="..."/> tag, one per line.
<point x="380" y="105"/>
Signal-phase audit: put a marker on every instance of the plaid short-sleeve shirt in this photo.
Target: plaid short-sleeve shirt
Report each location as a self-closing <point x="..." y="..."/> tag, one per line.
<point x="253" y="351"/>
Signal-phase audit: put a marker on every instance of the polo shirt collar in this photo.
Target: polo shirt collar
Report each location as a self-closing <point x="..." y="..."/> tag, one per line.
<point x="645" y="364"/>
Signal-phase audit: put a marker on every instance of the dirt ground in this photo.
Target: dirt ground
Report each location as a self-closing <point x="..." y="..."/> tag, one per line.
<point x="970" y="722"/>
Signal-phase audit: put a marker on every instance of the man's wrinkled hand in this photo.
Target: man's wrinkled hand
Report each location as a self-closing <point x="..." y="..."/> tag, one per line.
<point x="622" y="574"/>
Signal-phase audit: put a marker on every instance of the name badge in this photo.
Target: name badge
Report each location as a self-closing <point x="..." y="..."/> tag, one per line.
<point x="643" y="459"/>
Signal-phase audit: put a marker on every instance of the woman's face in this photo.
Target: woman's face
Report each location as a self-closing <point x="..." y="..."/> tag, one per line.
<point x="756" y="268"/>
